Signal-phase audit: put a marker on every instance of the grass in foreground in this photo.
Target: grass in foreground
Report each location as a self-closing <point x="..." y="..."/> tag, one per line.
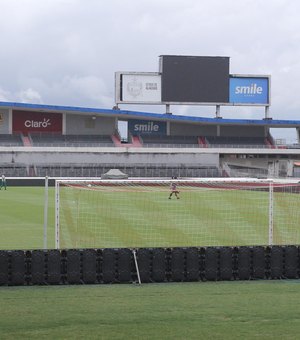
<point x="232" y="310"/>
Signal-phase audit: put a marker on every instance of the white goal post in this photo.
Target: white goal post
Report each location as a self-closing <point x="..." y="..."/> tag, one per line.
<point x="176" y="213"/>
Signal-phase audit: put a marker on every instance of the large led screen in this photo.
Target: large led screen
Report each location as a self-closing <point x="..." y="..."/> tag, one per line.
<point x="195" y="79"/>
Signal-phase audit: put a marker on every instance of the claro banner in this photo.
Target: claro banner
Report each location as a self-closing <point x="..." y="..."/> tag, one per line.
<point x="31" y="121"/>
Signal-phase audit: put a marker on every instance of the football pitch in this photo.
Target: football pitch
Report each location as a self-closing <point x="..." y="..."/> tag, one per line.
<point x="208" y="310"/>
<point x="144" y="216"/>
<point x="22" y="218"/>
<point x="146" y="219"/>
<point x="215" y="310"/>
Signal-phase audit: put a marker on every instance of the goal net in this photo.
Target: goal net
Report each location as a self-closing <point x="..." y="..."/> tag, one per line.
<point x="176" y="213"/>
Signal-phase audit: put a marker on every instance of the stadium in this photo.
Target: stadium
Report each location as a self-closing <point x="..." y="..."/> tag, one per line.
<point x="62" y="139"/>
<point x="86" y="203"/>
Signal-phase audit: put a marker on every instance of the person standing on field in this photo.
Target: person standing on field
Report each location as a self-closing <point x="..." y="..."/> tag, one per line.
<point x="174" y="190"/>
<point x="3" y="182"/>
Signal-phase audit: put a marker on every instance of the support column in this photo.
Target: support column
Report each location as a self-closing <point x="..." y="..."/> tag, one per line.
<point x="168" y="109"/>
<point x="298" y="134"/>
<point x="267" y="112"/>
<point x="218" y="110"/>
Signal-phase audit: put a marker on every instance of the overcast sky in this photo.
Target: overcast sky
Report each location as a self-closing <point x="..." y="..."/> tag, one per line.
<point x="65" y="52"/>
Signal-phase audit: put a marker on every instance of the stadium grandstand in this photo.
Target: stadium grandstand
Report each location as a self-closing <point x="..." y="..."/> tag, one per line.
<point x="64" y="141"/>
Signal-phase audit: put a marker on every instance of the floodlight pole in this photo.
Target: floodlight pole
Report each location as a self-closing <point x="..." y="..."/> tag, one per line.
<point x="46" y="213"/>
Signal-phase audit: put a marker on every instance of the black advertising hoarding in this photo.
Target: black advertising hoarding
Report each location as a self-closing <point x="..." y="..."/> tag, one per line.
<point x="194" y="79"/>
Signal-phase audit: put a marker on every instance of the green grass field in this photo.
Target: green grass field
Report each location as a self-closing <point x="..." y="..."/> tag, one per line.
<point x="132" y="216"/>
<point x="22" y="218"/>
<point x="223" y="310"/>
<point x="146" y="219"/>
<point x="215" y="310"/>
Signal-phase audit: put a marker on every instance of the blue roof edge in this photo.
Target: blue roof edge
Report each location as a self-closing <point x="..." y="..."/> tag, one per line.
<point x="141" y="114"/>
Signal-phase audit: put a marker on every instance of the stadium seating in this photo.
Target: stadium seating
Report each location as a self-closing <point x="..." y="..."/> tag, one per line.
<point x="169" y="141"/>
<point x="70" y="140"/>
<point x="204" y="141"/>
<point x="134" y="170"/>
<point x="73" y="168"/>
<point x="236" y="142"/>
<point x="297" y="171"/>
<point x="13" y="171"/>
<point x="11" y="140"/>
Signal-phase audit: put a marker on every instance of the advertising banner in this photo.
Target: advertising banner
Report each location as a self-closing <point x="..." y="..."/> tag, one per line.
<point x="140" y="88"/>
<point x="32" y="121"/>
<point x="139" y="127"/>
<point x="249" y="90"/>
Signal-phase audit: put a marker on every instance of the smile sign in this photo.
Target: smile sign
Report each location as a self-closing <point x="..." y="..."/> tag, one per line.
<point x="249" y="90"/>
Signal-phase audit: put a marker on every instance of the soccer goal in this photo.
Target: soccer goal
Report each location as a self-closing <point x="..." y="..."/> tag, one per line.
<point x="176" y="213"/>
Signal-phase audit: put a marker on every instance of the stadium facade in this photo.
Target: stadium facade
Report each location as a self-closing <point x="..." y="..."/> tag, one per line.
<point x="63" y="141"/>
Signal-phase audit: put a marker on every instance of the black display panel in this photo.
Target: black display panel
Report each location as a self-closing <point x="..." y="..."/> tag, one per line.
<point x="188" y="79"/>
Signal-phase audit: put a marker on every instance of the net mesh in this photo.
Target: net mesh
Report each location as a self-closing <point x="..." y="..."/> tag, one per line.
<point x="149" y="214"/>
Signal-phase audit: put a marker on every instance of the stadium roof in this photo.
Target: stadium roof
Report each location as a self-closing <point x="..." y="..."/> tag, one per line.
<point x="125" y="114"/>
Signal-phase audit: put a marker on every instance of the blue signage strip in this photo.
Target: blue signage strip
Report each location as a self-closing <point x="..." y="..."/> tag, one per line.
<point x="243" y="90"/>
<point x="139" y="127"/>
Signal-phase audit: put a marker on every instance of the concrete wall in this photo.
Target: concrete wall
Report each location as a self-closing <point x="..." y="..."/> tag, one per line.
<point x="4" y="122"/>
<point x="81" y="158"/>
<point x="261" y="163"/>
<point x="87" y="125"/>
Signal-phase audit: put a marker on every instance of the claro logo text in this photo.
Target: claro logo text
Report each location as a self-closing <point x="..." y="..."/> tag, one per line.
<point x="37" y="123"/>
